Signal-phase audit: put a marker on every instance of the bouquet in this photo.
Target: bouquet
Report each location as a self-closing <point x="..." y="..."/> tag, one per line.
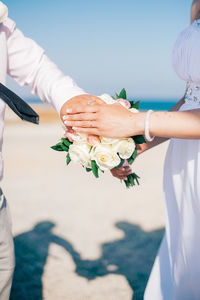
<point x="96" y="153"/>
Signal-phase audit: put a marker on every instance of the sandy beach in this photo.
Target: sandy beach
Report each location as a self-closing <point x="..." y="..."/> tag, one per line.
<point x="76" y="237"/>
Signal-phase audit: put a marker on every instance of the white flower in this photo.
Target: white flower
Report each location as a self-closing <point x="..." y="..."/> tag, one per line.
<point x="3" y="12"/>
<point x="124" y="103"/>
<point x="80" y="137"/>
<point x="125" y="147"/>
<point x="105" y="157"/>
<point x="107" y="99"/>
<point x="108" y="141"/>
<point x="80" y="152"/>
<point x="134" y="110"/>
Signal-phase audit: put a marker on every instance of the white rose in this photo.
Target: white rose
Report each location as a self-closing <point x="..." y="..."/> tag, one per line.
<point x="107" y="99"/>
<point x="108" y="141"/>
<point x="134" y="110"/>
<point x="105" y="157"/>
<point x="125" y="147"/>
<point x="80" y="152"/>
<point x="3" y="12"/>
<point x="80" y="137"/>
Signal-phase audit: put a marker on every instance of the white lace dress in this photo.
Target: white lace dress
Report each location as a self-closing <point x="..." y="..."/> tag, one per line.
<point x="176" y="271"/>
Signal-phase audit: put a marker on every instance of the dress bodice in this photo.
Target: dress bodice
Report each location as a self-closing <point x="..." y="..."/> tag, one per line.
<point x="186" y="62"/>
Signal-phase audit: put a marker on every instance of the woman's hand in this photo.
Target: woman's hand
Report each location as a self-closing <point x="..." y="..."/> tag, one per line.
<point x="108" y="120"/>
<point x="122" y="172"/>
<point x="115" y="121"/>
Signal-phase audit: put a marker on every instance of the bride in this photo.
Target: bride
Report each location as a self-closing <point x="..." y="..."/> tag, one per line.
<point x="176" y="271"/>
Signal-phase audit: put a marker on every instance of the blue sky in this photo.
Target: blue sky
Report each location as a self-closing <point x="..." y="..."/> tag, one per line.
<point x="106" y="45"/>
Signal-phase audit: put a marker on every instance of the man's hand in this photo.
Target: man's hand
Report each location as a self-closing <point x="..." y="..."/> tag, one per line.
<point x="79" y="101"/>
<point x="122" y="172"/>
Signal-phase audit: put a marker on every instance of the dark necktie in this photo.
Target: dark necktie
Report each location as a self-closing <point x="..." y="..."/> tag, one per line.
<point x="19" y="106"/>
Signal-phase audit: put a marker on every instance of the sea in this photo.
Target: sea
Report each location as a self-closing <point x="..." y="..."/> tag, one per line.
<point x="145" y="104"/>
<point x="164" y="104"/>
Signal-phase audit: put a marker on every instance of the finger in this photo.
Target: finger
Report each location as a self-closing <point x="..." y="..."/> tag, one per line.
<point x="124" y="174"/>
<point x="74" y="109"/>
<point x="96" y="100"/>
<point x="122" y="177"/>
<point x="69" y="129"/>
<point x="127" y="172"/>
<point x="80" y="117"/>
<point x="125" y="169"/>
<point x="121" y="173"/>
<point x="118" y="174"/>
<point x="94" y="131"/>
<point x="121" y="169"/>
<point x="83" y="124"/>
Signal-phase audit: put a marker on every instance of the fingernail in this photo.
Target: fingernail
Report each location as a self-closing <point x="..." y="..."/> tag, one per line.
<point x="65" y="117"/>
<point x="74" y="128"/>
<point x="69" y="110"/>
<point x="67" y="122"/>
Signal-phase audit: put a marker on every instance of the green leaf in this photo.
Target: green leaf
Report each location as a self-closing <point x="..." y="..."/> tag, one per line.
<point x="131" y="180"/>
<point x="122" y="94"/>
<point x="139" y="139"/>
<point x="132" y="104"/>
<point x="88" y="169"/>
<point x="65" y="148"/>
<point x="121" y="163"/>
<point x="134" y="155"/>
<point x="127" y="183"/>
<point x="57" y="147"/>
<point x="94" y="168"/>
<point x="66" y="142"/>
<point x="68" y="159"/>
<point x="135" y="104"/>
<point x="117" y="96"/>
<point x="136" y="177"/>
<point x="130" y="160"/>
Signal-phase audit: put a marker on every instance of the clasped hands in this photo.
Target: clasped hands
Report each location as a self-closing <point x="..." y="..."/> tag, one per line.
<point x="91" y="115"/>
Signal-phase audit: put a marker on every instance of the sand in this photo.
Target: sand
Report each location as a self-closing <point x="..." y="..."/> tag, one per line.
<point x="76" y="237"/>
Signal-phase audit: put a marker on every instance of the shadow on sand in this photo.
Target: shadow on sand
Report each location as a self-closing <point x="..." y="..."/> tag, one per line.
<point x="132" y="257"/>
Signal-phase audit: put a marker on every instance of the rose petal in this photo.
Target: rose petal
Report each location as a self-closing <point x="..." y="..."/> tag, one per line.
<point x="124" y="102"/>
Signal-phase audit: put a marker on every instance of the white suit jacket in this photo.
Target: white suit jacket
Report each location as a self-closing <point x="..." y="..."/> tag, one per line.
<point x="26" y="62"/>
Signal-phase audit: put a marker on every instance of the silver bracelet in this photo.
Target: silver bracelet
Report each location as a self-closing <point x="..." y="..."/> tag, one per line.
<point x="148" y="138"/>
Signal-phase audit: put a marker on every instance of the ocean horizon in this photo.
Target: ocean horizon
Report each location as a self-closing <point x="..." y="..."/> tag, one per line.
<point x="145" y="104"/>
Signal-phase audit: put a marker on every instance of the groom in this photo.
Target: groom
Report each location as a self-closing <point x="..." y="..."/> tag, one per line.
<point x="26" y="62"/>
